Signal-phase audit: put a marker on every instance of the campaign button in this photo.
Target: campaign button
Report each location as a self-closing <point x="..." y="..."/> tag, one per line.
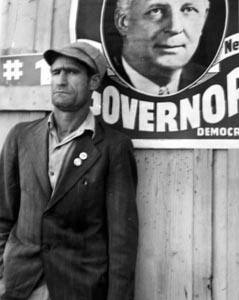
<point x="77" y="162"/>
<point x="83" y="155"/>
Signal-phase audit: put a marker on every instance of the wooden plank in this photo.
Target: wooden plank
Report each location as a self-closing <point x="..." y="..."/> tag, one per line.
<point x="4" y="11"/>
<point x="8" y="12"/>
<point x="44" y="20"/>
<point x="19" y="22"/>
<point x="60" y="29"/>
<point x="165" y="206"/>
<point x="32" y="98"/>
<point x="34" y="19"/>
<point x="202" y="225"/>
<point x="8" y="120"/>
<point x="220" y="220"/>
<point x="233" y="225"/>
<point x="21" y="26"/>
<point x="152" y="217"/>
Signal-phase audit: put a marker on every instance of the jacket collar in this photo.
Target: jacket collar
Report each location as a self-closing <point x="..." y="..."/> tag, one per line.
<point x="37" y="147"/>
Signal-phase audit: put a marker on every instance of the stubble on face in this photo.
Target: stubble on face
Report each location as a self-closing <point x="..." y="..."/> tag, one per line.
<point x="70" y="85"/>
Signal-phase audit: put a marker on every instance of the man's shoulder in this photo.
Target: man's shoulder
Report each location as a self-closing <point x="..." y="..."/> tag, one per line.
<point x="113" y="136"/>
<point x="22" y="127"/>
<point x="118" y="66"/>
<point x="194" y="68"/>
<point x="18" y="134"/>
<point x="191" y="72"/>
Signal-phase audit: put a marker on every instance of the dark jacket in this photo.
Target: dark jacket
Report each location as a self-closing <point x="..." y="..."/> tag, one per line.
<point x="82" y="236"/>
<point x="190" y="73"/>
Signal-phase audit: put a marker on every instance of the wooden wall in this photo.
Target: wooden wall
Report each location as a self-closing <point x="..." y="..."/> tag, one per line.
<point x="188" y="200"/>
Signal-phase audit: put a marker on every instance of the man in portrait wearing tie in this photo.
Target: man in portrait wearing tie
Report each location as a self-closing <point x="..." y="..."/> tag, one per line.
<point x="68" y="216"/>
<point x="159" y="39"/>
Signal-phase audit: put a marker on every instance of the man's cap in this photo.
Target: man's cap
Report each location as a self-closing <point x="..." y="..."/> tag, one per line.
<point x="83" y="52"/>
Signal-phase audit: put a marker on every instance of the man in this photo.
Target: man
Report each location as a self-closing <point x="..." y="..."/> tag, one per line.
<point x="68" y="218"/>
<point x="159" y="39"/>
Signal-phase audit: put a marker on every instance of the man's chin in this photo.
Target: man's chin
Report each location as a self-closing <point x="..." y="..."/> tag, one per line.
<point x="171" y="65"/>
<point x="172" y="62"/>
<point x="66" y="107"/>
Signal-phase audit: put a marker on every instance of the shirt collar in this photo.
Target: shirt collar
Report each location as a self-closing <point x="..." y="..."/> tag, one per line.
<point x="144" y="84"/>
<point x="88" y="124"/>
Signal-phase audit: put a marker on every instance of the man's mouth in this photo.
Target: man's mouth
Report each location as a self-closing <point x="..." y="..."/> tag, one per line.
<point x="61" y="92"/>
<point x="165" y="46"/>
<point x="165" y="49"/>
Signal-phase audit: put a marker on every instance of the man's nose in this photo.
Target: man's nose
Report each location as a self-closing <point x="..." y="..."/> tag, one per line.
<point x="62" y="78"/>
<point x="175" y="24"/>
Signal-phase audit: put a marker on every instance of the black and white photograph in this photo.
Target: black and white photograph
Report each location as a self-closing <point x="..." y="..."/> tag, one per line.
<point x="119" y="149"/>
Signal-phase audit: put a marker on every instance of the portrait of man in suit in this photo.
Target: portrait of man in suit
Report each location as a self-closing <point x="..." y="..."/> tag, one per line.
<point x="68" y="215"/>
<point x="159" y="39"/>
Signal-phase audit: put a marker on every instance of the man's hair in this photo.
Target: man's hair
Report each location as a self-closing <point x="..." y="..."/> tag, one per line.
<point x="124" y="4"/>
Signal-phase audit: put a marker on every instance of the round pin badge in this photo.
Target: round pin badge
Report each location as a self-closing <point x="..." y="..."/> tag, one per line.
<point x="77" y="162"/>
<point x="83" y="155"/>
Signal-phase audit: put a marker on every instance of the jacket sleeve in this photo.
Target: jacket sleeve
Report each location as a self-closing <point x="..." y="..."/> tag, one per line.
<point x="122" y="222"/>
<point x="9" y="191"/>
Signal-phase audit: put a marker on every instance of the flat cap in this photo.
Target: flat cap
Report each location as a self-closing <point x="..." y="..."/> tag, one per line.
<point x="82" y="51"/>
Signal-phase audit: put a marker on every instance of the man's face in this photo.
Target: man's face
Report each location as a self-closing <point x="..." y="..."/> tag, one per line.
<point x="71" y="84"/>
<point x="163" y="33"/>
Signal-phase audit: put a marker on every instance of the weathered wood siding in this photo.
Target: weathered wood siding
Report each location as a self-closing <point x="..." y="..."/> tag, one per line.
<point x="188" y="200"/>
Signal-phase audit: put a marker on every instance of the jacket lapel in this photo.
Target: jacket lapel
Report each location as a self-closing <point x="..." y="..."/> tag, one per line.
<point x="37" y="148"/>
<point x="121" y="71"/>
<point x="71" y="173"/>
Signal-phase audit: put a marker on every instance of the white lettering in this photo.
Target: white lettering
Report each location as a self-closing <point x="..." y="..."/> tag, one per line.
<point x="233" y="92"/>
<point x="146" y="116"/>
<point x="214" y="112"/>
<point x="45" y="73"/>
<point x="190" y="112"/>
<point x="111" y="105"/>
<point x="166" y="114"/>
<point x="210" y="107"/>
<point x="218" y="131"/>
<point x="200" y="131"/>
<point x="96" y="103"/>
<point x="129" y="111"/>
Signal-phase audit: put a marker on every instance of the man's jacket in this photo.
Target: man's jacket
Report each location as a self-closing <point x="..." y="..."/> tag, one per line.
<point x="82" y="237"/>
<point x="190" y="73"/>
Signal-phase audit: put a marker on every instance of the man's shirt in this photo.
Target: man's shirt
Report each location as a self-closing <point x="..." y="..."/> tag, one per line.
<point x="58" y="151"/>
<point x="144" y="84"/>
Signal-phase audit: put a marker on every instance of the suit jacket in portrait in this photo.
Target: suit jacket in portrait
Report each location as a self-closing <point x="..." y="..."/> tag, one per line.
<point x="190" y="73"/>
<point x="82" y="237"/>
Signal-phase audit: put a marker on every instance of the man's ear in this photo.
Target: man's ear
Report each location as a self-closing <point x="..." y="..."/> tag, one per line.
<point x="121" y="21"/>
<point x="95" y="81"/>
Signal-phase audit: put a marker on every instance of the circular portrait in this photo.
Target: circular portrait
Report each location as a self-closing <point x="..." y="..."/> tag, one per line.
<point x="161" y="47"/>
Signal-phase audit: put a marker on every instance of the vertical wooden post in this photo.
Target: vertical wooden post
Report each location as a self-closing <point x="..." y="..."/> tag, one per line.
<point x="233" y="225"/>
<point x="220" y="228"/>
<point x="202" y="224"/>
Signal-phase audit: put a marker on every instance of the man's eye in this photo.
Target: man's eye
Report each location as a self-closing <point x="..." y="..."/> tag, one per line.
<point x="189" y="10"/>
<point x="55" y="72"/>
<point x="155" y="12"/>
<point x="73" y="72"/>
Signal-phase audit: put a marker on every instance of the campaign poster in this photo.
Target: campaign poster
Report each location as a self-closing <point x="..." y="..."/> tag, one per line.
<point x="173" y="77"/>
